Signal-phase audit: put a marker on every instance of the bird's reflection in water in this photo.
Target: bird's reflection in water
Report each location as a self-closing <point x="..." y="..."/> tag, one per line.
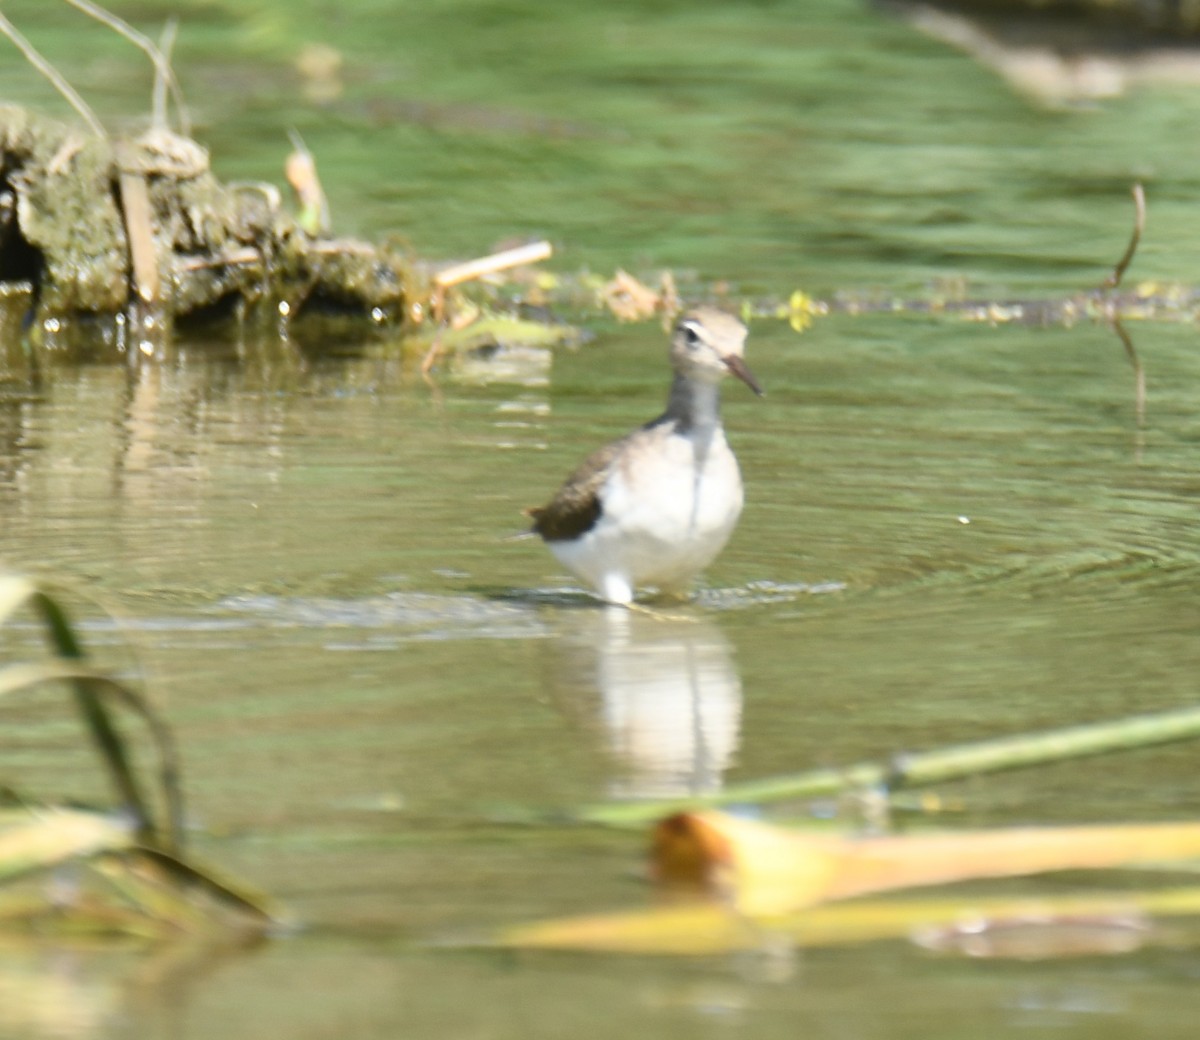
<point x="671" y="699"/>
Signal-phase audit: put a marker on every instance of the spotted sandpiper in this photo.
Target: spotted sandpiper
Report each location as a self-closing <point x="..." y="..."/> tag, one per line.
<point x="655" y="507"/>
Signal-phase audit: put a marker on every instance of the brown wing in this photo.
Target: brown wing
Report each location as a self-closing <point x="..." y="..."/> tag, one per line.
<point x="576" y="507"/>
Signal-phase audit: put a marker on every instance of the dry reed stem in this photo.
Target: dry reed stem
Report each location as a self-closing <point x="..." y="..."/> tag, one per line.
<point x="502" y="261"/>
<point x="139" y="229"/>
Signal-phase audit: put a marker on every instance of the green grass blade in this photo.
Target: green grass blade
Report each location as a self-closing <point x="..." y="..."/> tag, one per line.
<point x="922" y="768"/>
<point x="100" y="687"/>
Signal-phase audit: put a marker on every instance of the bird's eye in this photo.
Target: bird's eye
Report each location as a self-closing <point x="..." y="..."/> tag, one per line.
<point x="690" y="336"/>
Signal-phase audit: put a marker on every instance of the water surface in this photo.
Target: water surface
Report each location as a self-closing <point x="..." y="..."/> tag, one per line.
<point x="952" y="531"/>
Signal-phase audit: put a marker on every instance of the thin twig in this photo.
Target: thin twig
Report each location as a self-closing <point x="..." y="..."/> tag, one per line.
<point x="53" y="75"/>
<point x="162" y="67"/>
<point x="1139" y="224"/>
<point x="1110" y="308"/>
<point x="1139" y="373"/>
<point x="166" y="42"/>
<point x="239" y="258"/>
<point x="502" y="261"/>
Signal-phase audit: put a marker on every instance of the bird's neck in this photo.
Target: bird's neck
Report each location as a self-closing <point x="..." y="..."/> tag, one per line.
<point x="694" y="404"/>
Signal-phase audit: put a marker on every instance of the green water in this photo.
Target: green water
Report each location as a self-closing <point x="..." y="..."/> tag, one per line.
<point x="952" y="531"/>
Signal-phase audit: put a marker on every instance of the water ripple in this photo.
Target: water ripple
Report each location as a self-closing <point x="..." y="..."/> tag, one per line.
<point x="432" y="616"/>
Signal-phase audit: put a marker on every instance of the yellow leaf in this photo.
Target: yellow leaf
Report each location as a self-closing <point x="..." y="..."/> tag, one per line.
<point x="802" y="308"/>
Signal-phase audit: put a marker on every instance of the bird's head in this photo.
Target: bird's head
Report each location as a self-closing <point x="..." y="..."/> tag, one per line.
<point x="709" y="344"/>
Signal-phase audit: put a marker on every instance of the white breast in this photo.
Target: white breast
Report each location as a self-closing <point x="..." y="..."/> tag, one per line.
<point x="668" y="508"/>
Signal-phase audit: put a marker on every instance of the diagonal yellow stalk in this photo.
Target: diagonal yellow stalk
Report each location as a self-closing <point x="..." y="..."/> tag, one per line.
<point x="766" y="870"/>
<point x="703" y="929"/>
